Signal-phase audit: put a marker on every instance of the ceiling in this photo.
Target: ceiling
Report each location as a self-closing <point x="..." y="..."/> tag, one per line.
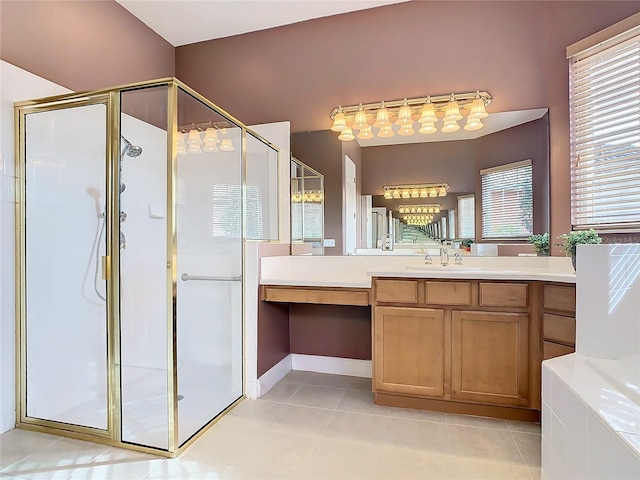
<point x="182" y="22"/>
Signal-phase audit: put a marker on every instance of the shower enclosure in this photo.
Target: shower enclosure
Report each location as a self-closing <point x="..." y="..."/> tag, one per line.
<point x="133" y="204"/>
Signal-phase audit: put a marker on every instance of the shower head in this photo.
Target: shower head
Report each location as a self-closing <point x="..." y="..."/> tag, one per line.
<point x="131" y="150"/>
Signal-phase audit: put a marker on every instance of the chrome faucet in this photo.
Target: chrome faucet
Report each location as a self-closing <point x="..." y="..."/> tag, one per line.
<point x="427" y="259"/>
<point x="457" y="259"/>
<point x="444" y="257"/>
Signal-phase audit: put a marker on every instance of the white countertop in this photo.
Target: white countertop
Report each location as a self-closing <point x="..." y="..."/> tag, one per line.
<point x="356" y="271"/>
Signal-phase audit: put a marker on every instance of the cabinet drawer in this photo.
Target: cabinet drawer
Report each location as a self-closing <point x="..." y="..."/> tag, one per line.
<point x="504" y="295"/>
<point x="448" y="293"/>
<point x="552" y="350"/>
<point x="397" y="291"/>
<point x="559" y="328"/>
<point x="560" y="298"/>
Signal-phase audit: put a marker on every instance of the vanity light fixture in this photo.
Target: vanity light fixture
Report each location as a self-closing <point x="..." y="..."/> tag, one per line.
<point x="405" y="113"/>
<point x="196" y="138"/>
<point x="424" y="190"/>
<point x="427" y="208"/>
<point x="310" y="196"/>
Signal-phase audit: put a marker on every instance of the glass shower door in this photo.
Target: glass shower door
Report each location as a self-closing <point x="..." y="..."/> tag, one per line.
<point x="64" y="294"/>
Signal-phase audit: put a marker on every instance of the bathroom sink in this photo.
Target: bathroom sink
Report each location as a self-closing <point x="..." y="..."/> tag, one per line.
<point x="440" y="268"/>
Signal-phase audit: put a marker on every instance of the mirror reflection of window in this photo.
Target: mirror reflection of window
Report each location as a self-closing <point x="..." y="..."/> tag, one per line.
<point x="466" y="216"/>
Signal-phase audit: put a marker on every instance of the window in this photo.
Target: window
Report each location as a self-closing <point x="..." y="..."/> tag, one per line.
<point x="507" y="201"/>
<point x="227" y="208"/>
<point x="466" y="216"/>
<point x="443" y="227"/>
<point x="604" y="97"/>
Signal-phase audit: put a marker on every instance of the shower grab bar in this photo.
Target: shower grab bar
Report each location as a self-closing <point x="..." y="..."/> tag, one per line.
<point x="186" y="277"/>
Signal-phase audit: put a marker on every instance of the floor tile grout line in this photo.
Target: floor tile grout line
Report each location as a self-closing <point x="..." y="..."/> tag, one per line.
<point x="513" y="439"/>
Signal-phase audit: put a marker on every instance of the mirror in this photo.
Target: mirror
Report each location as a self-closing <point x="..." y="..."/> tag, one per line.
<point x="457" y="163"/>
<point x="307" y="209"/>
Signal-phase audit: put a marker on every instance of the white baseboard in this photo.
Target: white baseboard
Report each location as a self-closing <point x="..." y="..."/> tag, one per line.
<point x="334" y="365"/>
<point x="272" y="376"/>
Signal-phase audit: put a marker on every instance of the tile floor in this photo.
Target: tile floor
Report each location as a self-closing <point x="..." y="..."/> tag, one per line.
<point x="309" y="426"/>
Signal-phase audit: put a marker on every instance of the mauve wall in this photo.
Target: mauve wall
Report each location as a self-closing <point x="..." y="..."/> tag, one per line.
<point x="82" y="45"/>
<point x="331" y="330"/>
<point x="514" y="50"/>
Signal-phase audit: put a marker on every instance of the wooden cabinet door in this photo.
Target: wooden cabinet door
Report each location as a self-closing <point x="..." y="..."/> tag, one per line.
<point x="409" y="351"/>
<point x="490" y="357"/>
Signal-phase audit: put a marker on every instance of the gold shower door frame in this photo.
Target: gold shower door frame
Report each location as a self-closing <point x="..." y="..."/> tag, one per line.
<point x="111" y="98"/>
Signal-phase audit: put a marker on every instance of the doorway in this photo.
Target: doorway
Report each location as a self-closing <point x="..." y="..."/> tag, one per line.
<point x="350" y="202"/>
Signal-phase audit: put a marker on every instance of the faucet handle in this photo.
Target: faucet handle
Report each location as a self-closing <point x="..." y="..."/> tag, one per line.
<point x="427" y="259"/>
<point x="458" y="259"/>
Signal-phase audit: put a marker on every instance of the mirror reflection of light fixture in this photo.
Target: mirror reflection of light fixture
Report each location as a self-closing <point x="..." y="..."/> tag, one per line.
<point x="346" y="135"/>
<point x="423" y="190"/>
<point x="420" y="209"/>
<point x="211" y="140"/>
<point x="182" y="146"/>
<point x="429" y="111"/>
<point x="227" y="145"/>
<point x="365" y="133"/>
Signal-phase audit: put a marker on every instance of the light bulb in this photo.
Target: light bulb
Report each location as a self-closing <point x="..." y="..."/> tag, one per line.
<point x="473" y="124"/>
<point x="339" y="122"/>
<point x="452" y="111"/>
<point x="360" y="121"/>
<point x="450" y="126"/>
<point x="382" y="117"/>
<point x="365" y="133"/>
<point x="406" y="130"/>
<point x="428" y="113"/>
<point x="194" y="137"/>
<point x="346" y="135"/>
<point x="386" y="132"/>
<point x="428" y="128"/>
<point x="404" y="115"/>
<point x="227" y="145"/>
<point x="477" y="108"/>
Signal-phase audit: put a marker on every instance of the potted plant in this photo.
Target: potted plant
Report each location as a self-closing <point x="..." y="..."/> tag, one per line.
<point x="466" y="244"/>
<point x="572" y="239"/>
<point x="540" y="243"/>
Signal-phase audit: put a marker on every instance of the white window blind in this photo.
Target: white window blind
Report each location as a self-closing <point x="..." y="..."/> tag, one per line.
<point x="507" y="201"/>
<point x="466" y="217"/>
<point x="443" y="227"/>
<point x="452" y="224"/>
<point x="227" y="211"/>
<point x="605" y="134"/>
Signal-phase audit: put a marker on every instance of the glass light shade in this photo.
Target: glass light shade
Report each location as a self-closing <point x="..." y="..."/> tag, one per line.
<point x="396" y="194"/>
<point x="194" y="148"/>
<point x="406" y="130"/>
<point x="382" y="117"/>
<point x="436" y="210"/>
<point x="182" y="149"/>
<point x="413" y="210"/>
<point x="415" y="193"/>
<point x="473" y="124"/>
<point x="360" y="121"/>
<point x="424" y="193"/>
<point x="388" y="195"/>
<point x="210" y="135"/>
<point x="365" y="133"/>
<point x="428" y="128"/>
<point x="404" y="114"/>
<point x="227" y="145"/>
<point x="386" y="132"/>
<point x="452" y="111"/>
<point x="346" y="135"/>
<point x="433" y="192"/>
<point x="211" y="146"/>
<point x="450" y="126"/>
<point x="442" y="192"/>
<point x="428" y="113"/>
<point x="406" y="194"/>
<point x="477" y="109"/>
<point x="339" y="122"/>
<point x="194" y="137"/>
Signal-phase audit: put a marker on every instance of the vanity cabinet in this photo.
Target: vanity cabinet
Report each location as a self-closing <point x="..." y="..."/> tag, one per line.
<point x="464" y="346"/>
<point x="558" y="320"/>
<point x="410" y="348"/>
<point x="490" y="357"/>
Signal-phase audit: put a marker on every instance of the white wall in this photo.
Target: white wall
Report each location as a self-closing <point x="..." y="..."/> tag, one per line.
<point x="15" y="85"/>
